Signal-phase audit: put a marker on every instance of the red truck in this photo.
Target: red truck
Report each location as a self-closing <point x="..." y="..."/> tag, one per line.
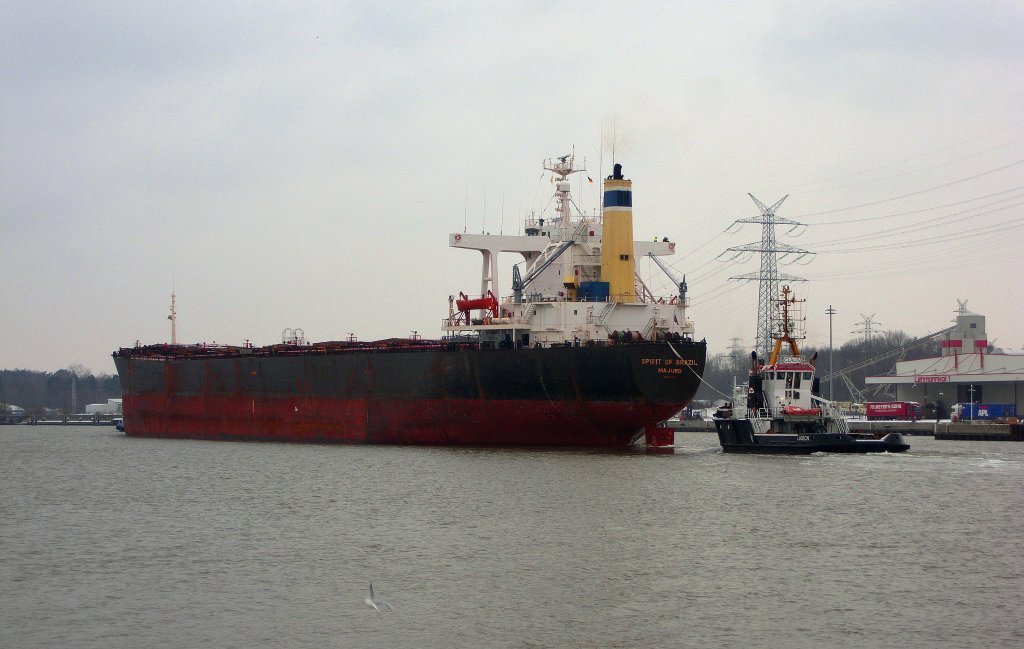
<point x="901" y="410"/>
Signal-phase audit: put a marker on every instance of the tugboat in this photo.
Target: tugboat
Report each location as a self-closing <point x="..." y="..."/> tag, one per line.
<point x="784" y="411"/>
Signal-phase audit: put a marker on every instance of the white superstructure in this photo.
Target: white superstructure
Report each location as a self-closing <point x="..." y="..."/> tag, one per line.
<point x="579" y="285"/>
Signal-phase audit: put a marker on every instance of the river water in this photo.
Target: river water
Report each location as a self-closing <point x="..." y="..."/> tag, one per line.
<point x="109" y="541"/>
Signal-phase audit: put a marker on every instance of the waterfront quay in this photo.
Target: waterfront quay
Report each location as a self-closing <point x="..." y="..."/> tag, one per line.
<point x="94" y="419"/>
<point x="969" y="431"/>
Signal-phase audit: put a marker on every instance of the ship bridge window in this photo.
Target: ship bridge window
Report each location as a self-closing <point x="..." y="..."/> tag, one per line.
<point x="807" y="376"/>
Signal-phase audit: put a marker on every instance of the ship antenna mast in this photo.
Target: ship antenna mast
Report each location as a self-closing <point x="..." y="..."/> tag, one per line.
<point x="174" y="320"/>
<point x="788" y="326"/>
<point x="563" y="167"/>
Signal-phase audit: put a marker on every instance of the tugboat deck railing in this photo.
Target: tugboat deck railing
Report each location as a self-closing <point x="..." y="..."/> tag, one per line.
<point x="829" y="411"/>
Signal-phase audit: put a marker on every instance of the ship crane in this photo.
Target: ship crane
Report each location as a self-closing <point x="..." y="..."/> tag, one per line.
<point x="672" y="276"/>
<point x="519" y="282"/>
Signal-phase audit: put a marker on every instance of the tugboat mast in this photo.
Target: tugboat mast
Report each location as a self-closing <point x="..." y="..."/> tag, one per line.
<point x="788" y="335"/>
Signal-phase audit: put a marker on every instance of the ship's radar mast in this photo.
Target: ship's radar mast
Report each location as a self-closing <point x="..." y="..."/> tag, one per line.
<point x="563" y="167"/>
<point x="291" y="336"/>
<point x="790" y="322"/>
<point x="174" y="321"/>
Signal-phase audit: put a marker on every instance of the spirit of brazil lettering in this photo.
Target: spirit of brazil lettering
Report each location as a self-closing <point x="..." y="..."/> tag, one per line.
<point x="667" y="361"/>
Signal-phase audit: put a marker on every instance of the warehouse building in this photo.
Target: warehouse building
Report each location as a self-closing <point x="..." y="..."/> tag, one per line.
<point x="966" y="372"/>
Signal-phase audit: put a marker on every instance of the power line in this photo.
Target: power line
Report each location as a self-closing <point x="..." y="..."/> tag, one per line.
<point x="916" y="228"/>
<point x="915" y="193"/>
<point x="914" y="171"/>
<point x="925" y="154"/>
<point x="1013" y="224"/>
<point x="925" y="209"/>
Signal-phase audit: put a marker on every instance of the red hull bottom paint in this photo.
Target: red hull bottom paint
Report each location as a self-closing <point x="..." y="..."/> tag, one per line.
<point x="438" y="422"/>
<point x="659" y="436"/>
<point x="599" y="395"/>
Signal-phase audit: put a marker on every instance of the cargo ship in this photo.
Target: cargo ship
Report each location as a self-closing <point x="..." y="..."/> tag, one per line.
<point x="581" y="353"/>
<point x="781" y="411"/>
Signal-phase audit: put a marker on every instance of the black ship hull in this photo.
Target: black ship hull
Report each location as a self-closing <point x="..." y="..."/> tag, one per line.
<point x="409" y="392"/>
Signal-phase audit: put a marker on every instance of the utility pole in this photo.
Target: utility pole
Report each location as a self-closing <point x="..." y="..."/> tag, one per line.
<point x="831" y="312"/>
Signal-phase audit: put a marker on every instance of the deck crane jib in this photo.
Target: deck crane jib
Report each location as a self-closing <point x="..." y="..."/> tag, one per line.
<point x="680" y="283"/>
<point x="519" y="282"/>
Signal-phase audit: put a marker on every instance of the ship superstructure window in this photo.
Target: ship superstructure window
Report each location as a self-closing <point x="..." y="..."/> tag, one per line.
<point x="624" y="257"/>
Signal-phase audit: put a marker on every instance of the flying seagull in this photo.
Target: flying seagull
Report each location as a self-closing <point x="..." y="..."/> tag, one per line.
<point x="376" y="604"/>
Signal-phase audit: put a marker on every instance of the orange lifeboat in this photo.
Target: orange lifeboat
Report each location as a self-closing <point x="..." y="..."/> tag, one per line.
<point x="795" y="410"/>
<point x="486" y="303"/>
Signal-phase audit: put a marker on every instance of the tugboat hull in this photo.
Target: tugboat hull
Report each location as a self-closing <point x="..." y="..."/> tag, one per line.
<point x="737" y="436"/>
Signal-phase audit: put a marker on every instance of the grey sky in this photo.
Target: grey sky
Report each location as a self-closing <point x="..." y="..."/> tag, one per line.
<point x="301" y="164"/>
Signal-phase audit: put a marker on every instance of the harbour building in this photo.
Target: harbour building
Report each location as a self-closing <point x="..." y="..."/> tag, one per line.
<point x="965" y="372"/>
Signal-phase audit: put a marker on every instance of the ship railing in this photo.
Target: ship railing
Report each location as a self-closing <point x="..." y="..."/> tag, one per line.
<point x="761" y="425"/>
<point x="164" y="352"/>
<point x="830" y="410"/>
<point x="653" y="325"/>
<point x="607" y="311"/>
<point x="763" y="413"/>
<point x="555" y="220"/>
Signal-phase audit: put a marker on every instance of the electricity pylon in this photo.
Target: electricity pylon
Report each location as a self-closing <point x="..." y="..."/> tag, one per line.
<point x="868" y="327"/>
<point x="772" y="252"/>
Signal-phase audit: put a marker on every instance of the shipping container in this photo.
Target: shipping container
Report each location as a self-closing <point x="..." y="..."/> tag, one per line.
<point x="982" y="411"/>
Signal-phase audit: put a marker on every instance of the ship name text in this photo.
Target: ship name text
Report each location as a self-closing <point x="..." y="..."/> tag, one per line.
<point x="665" y="363"/>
